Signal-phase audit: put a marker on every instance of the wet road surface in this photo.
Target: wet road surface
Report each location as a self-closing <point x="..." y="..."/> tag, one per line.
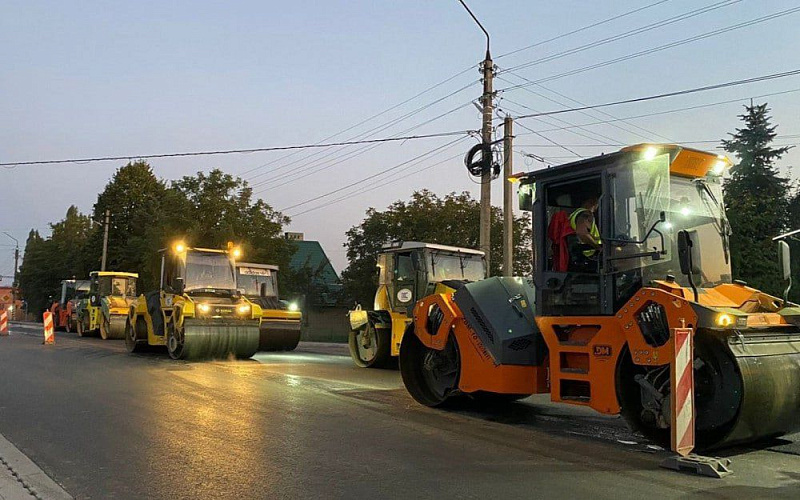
<point x="309" y="424"/>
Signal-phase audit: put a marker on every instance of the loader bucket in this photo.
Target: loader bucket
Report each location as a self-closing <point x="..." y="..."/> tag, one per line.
<point x="278" y="335"/>
<point x="218" y="339"/>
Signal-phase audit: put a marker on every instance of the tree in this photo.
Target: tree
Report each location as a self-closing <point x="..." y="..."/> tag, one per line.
<point x="451" y="220"/>
<point x="220" y="208"/>
<point x="61" y="256"/>
<point x="757" y="200"/>
<point x="139" y="206"/>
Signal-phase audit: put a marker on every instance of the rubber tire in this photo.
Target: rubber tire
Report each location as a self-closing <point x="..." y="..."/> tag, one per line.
<point x="383" y="356"/>
<point x="179" y="352"/>
<point x="412" y="355"/>
<point x="132" y="341"/>
<point x="67" y="326"/>
<point x="79" y="328"/>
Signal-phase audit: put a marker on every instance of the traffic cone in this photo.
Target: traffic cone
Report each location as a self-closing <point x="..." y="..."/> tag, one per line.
<point x="49" y="332"/>
<point x="3" y="323"/>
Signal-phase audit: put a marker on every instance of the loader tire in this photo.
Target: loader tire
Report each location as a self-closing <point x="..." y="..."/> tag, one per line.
<point x="371" y="347"/>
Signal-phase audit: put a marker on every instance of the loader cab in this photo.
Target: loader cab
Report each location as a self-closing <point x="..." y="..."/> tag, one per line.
<point x="409" y="271"/>
<point x="647" y="194"/>
<point x="198" y="271"/>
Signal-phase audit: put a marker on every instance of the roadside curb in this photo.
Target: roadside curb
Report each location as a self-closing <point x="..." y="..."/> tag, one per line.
<point x="33" y="479"/>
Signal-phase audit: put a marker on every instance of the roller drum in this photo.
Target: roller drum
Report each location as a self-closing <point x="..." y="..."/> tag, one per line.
<point x="278" y="335"/>
<point x="211" y="339"/>
<point x="769" y="367"/>
<point x="116" y="327"/>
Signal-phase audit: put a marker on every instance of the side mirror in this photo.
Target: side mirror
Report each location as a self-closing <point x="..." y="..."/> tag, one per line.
<point x="662" y="217"/>
<point x="263" y="290"/>
<point x="178" y="285"/>
<point x="685" y="245"/>
<point x="784" y="260"/>
<point x="685" y="251"/>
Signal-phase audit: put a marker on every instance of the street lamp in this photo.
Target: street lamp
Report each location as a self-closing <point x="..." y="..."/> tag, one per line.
<point x="15" y="284"/>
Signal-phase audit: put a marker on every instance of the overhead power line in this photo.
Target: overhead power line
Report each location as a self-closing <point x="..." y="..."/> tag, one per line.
<point x="584" y="28"/>
<point x="370" y="177"/>
<point x="695" y="90"/>
<point x="239" y="151"/>
<point x="637" y="31"/>
<point x="659" y="48"/>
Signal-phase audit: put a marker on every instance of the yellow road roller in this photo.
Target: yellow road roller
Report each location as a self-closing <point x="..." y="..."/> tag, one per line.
<point x="197" y="312"/>
<point x="407" y="271"/>
<point x="105" y="308"/>
<point x="280" y="320"/>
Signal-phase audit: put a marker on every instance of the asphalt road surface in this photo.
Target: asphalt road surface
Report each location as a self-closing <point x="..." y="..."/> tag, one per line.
<point x="308" y="424"/>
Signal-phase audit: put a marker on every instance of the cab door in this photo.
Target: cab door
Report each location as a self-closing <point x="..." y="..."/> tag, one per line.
<point x="402" y="291"/>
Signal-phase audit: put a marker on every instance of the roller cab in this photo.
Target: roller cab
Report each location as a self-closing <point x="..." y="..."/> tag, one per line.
<point x="407" y="271"/>
<point x="104" y="309"/>
<point x="594" y="325"/>
<point x="198" y="311"/>
<point x="281" y="321"/>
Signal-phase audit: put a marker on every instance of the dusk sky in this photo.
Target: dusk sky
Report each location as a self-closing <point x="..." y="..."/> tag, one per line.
<point x="88" y="79"/>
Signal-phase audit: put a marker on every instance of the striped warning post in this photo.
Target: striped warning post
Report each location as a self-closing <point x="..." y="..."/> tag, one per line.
<point x="682" y="393"/>
<point x="49" y="334"/>
<point x="3" y="323"/>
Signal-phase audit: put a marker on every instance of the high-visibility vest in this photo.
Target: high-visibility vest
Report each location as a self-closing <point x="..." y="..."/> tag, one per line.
<point x="593" y="232"/>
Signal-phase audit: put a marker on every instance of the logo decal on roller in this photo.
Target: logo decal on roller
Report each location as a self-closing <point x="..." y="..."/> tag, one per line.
<point x="404" y="295"/>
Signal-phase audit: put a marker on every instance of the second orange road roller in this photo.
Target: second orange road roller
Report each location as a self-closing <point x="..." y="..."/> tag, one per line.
<point x="628" y="247"/>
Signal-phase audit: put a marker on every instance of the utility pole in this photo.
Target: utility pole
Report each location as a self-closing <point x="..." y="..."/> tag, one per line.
<point x="15" y="283"/>
<point x="508" y="205"/>
<point x="487" y="68"/>
<point x="105" y="240"/>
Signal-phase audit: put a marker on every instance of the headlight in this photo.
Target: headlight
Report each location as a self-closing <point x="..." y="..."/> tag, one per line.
<point x="243" y="308"/>
<point x="293" y="306"/>
<point x="724" y="320"/>
<point x="203" y="308"/>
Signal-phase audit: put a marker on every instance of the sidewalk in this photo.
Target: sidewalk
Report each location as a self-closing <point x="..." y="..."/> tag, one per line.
<point x="21" y="479"/>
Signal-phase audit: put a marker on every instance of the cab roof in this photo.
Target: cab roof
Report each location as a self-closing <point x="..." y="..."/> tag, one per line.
<point x="257" y="266"/>
<point x="413" y="245"/>
<point x="114" y="273"/>
<point x="684" y="162"/>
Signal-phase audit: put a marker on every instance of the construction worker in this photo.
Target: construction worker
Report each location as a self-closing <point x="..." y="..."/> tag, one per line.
<point x="582" y="221"/>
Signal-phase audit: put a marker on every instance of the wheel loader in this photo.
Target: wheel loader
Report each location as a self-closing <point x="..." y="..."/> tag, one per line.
<point x="595" y="325"/>
<point x="197" y="312"/>
<point x="279" y="329"/>
<point x="407" y="271"/>
<point x="64" y="310"/>
<point x="104" y="309"/>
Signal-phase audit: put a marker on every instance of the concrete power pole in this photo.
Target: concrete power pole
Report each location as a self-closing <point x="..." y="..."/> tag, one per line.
<point x="508" y="204"/>
<point x="486" y="138"/>
<point x="105" y="240"/>
<point x="487" y="68"/>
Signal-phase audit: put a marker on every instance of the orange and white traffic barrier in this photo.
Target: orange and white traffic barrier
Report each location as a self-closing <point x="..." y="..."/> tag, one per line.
<point x="3" y="323"/>
<point x="49" y="332"/>
<point x="682" y="393"/>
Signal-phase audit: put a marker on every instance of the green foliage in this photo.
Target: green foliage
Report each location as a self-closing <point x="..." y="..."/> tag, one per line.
<point x="147" y="214"/>
<point x="220" y="208"/>
<point x="757" y="199"/>
<point x="61" y="256"/>
<point x="451" y="220"/>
